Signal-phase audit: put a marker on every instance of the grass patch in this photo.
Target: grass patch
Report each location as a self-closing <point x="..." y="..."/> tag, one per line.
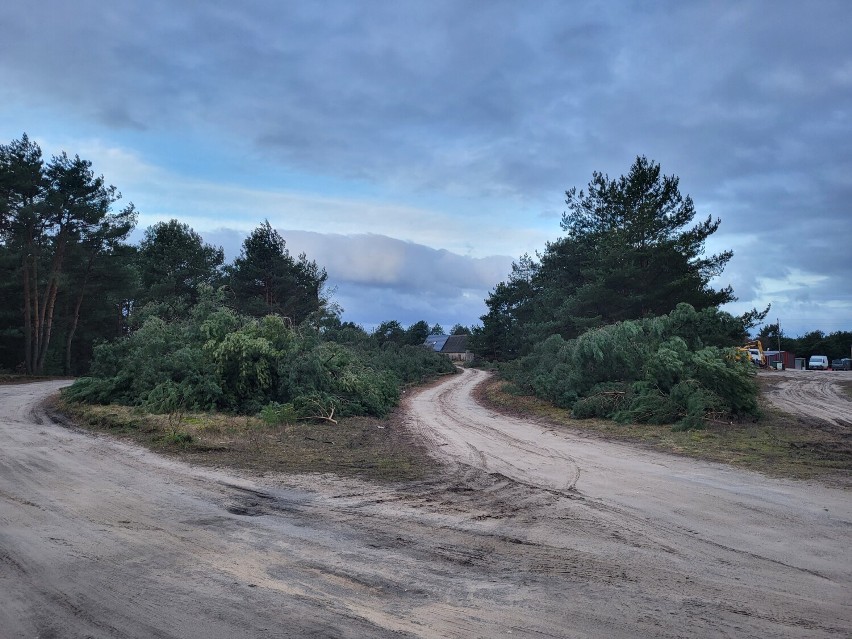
<point x="365" y="447"/>
<point x="777" y="444"/>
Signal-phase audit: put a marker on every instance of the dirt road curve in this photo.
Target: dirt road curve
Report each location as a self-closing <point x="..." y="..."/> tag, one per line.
<point x="530" y="534"/>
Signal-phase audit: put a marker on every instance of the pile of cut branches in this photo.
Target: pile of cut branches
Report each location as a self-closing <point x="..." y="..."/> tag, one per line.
<point x="656" y="370"/>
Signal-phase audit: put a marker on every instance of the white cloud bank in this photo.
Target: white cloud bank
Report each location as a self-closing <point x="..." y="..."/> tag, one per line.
<point x="377" y="278"/>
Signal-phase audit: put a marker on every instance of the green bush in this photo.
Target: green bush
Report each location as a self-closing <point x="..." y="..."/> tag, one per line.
<point x="274" y="414"/>
<point x="656" y="370"/>
<point x="177" y="438"/>
<point x="213" y="358"/>
<point x="604" y="400"/>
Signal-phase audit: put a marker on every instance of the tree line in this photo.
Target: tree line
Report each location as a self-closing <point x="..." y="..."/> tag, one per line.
<point x="621" y="307"/>
<point x="629" y="251"/>
<point x="215" y="358"/>
<point x="835" y="345"/>
<point x="69" y="278"/>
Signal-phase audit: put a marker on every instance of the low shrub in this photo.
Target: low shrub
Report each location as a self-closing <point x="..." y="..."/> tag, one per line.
<point x="657" y="370"/>
<point x="215" y="359"/>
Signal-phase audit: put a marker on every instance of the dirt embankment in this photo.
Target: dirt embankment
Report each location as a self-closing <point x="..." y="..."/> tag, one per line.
<point x="527" y="531"/>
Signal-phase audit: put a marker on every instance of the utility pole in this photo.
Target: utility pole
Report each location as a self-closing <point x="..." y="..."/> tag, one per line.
<point x="778" y="322"/>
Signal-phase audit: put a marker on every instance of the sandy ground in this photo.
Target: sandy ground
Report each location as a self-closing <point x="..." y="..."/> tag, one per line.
<point x="812" y="394"/>
<point x="528" y="533"/>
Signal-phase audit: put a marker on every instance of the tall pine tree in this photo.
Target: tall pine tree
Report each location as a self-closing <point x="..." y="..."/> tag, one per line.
<point x="47" y="211"/>
<point x="629" y="252"/>
<point x="266" y="279"/>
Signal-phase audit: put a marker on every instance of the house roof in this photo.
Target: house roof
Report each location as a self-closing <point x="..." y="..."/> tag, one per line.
<point x="455" y="344"/>
<point x="447" y="343"/>
<point x="436" y="342"/>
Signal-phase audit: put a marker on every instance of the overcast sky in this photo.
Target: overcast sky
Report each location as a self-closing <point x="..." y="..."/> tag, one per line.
<point x="416" y="148"/>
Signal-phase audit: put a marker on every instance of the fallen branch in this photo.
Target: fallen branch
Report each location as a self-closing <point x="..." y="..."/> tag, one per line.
<point x="324" y="416"/>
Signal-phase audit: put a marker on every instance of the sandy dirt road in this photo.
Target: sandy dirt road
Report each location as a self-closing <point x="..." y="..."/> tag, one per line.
<point x="528" y="533"/>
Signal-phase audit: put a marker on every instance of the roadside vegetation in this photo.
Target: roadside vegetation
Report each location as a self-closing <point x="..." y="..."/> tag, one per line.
<point x="775" y="444"/>
<point x="615" y="330"/>
<point x="366" y="447"/>
<point x="215" y="359"/>
<point x="220" y="388"/>
<point x="246" y="362"/>
<point x="660" y="370"/>
<point x="617" y="319"/>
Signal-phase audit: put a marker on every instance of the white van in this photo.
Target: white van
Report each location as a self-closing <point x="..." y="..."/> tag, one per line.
<point x="818" y="363"/>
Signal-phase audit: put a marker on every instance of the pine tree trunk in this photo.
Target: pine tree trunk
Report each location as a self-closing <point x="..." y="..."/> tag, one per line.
<point x="35" y="316"/>
<point x="50" y="293"/>
<point x="71" y="331"/>
<point x="28" y="320"/>
<point x="76" y="317"/>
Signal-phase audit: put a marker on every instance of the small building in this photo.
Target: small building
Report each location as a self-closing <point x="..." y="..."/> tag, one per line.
<point x="453" y="346"/>
<point x="787" y="359"/>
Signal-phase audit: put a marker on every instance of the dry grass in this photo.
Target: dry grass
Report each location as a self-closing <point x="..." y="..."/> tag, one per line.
<point x="374" y="449"/>
<point x="777" y="444"/>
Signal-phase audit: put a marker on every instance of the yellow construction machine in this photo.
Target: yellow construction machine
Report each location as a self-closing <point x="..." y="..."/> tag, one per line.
<point x="754" y="351"/>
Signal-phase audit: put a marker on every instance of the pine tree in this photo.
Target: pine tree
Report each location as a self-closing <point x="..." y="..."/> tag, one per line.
<point x="48" y="212"/>
<point x="265" y="278"/>
<point x="645" y="258"/>
<point x="629" y="252"/>
<point x="173" y="263"/>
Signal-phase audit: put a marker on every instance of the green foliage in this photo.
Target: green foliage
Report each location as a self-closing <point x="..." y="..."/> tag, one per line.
<point x="174" y="262"/>
<point x="266" y="279"/>
<point x="100" y="280"/>
<point x="417" y="333"/>
<point x="459" y="329"/>
<point x="655" y="370"/>
<point x="602" y="400"/>
<point x="177" y="438"/>
<point x="245" y="365"/>
<point x="215" y="358"/>
<point x="630" y="251"/>
<point x="344" y="332"/>
<point x="834" y="345"/>
<point x="56" y="225"/>
<point x="390" y="332"/>
<point x="513" y="309"/>
<point x="275" y="413"/>
<point x="408" y="364"/>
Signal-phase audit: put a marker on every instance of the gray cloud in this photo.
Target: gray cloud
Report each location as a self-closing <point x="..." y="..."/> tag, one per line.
<point x="749" y="103"/>
<point x="493" y="97"/>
